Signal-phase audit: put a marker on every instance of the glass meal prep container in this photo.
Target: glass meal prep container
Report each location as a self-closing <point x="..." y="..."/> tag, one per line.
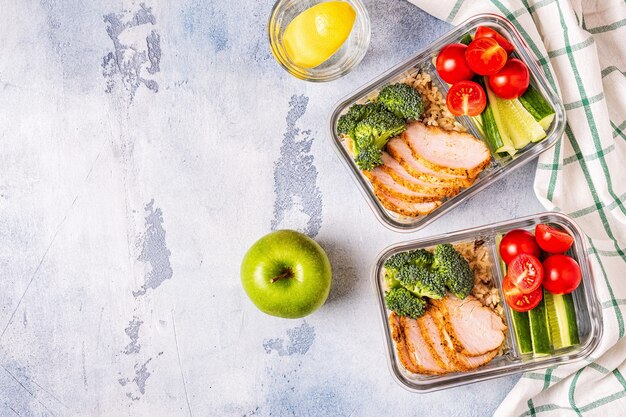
<point x="510" y="360"/>
<point x="423" y="61"/>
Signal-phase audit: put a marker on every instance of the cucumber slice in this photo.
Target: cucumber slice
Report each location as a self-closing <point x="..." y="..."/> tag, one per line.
<point x="498" y="124"/>
<point x="521" y="325"/>
<point x="539" y="333"/>
<point x="561" y="319"/>
<point x="521" y="126"/>
<point x="538" y="107"/>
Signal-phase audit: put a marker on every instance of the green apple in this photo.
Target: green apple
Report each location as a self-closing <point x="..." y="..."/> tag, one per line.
<point x="286" y="274"/>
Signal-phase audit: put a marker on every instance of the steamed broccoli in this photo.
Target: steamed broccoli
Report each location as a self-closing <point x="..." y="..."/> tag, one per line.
<point x="356" y="113"/>
<point x="422" y="281"/>
<point x="371" y="135"/>
<point x="419" y="257"/>
<point x="405" y="303"/>
<point x="454" y="270"/>
<point x="402" y="100"/>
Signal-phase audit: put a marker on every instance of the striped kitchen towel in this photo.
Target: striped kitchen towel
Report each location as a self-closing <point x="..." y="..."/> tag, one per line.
<point x="581" y="47"/>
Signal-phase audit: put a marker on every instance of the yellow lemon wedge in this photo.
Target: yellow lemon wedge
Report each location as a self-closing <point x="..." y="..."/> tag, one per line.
<point x="317" y="33"/>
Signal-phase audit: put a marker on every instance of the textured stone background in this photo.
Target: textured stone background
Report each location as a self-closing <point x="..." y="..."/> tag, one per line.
<point x="144" y="147"/>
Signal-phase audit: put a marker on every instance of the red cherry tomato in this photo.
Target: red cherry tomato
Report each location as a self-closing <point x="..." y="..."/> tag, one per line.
<point x="561" y="274"/>
<point x="525" y="272"/>
<point x="552" y="240"/>
<point x="451" y="64"/>
<point x="485" y="32"/>
<point x="511" y="81"/>
<point x="466" y="98"/>
<point x="519" y="301"/>
<point x="485" y="57"/>
<point x="518" y="241"/>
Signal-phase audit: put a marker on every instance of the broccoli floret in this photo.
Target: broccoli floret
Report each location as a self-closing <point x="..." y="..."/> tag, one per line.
<point x="404" y="303"/>
<point x="419" y="257"/>
<point x="422" y="281"/>
<point x="454" y="270"/>
<point x="356" y="113"/>
<point x="371" y="135"/>
<point x="402" y="100"/>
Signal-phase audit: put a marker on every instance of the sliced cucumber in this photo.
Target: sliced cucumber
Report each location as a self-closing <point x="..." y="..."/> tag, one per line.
<point x="521" y="325"/>
<point x="497" y="125"/>
<point x="539" y="333"/>
<point x="520" y="125"/>
<point x="561" y="319"/>
<point x="538" y="107"/>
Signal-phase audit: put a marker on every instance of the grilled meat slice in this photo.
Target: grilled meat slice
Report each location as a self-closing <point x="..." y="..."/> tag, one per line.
<point x="405" y="208"/>
<point x="418" y="348"/>
<point x="445" y="151"/>
<point x="385" y="183"/>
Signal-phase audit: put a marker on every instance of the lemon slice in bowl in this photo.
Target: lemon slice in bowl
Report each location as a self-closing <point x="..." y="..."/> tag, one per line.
<point x="317" y="33"/>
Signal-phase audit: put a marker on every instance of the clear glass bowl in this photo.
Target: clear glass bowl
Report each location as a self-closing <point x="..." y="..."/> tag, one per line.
<point x="341" y="62"/>
<point x="511" y="361"/>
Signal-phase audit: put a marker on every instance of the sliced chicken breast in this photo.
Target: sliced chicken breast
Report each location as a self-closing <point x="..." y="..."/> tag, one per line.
<point x="418" y="348"/>
<point x="401" y="176"/>
<point x="473" y="328"/>
<point x="401" y="152"/>
<point x="434" y="342"/>
<point x="404" y="208"/>
<point x="397" y="333"/>
<point x="385" y="182"/>
<point x="451" y="152"/>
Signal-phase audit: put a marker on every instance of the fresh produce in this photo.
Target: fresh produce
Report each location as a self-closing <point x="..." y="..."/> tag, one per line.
<point x="526" y="273"/>
<point x="317" y="33"/>
<point x="402" y="100"/>
<point x="451" y="64"/>
<point x="486" y="32"/>
<point x="539" y="329"/>
<point x="286" y="274"/>
<point x="561" y="319"/>
<point x="538" y="107"/>
<point x="356" y="113"/>
<point x="493" y="128"/>
<point x="518" y="241"/>
<point x="454" y="270"/>
<point x="412" y="275"/>
<point x="466" y="98"/>
<point x="544" y="319"/>
<point x="371" y="135"/>
<point x="511" y="81"/>
<point x="553" y="240"/>
<point x="517" y="300"/>
<point x="485" y="56"/>
<point x="561" y="274"/>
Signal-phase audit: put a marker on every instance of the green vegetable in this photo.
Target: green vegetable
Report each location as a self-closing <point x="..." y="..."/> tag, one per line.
<point x="497" y="125"/>
<point x="562" y="319"/>
<point x="419" y="257"/>
<point x="405" y="303"/>
<point x="521" y="325"/>
<point x="422" y="281"/>
<point x="356" y="113"/>
<point x="540" y="335"/>
<point x="402" y="100"/>
<point x="538" y="107"/>
<point x="466" y="39"/>
<point x="454" y="270"/>
<point x="371" y="135"/>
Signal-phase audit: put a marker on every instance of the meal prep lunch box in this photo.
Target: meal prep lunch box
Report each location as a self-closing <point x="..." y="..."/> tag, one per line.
<point x="510" y="361"/>
<point x="423" y="61"/>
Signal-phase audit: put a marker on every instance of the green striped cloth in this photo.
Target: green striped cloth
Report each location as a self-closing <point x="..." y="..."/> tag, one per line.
<point x="581" y="48"/>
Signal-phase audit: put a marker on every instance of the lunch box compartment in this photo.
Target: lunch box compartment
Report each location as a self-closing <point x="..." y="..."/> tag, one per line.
<point x="423" y="61"/>
<point x="588" y="311"/>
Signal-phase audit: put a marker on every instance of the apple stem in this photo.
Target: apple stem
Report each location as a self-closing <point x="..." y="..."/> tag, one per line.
<point x="285" y="274"/>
